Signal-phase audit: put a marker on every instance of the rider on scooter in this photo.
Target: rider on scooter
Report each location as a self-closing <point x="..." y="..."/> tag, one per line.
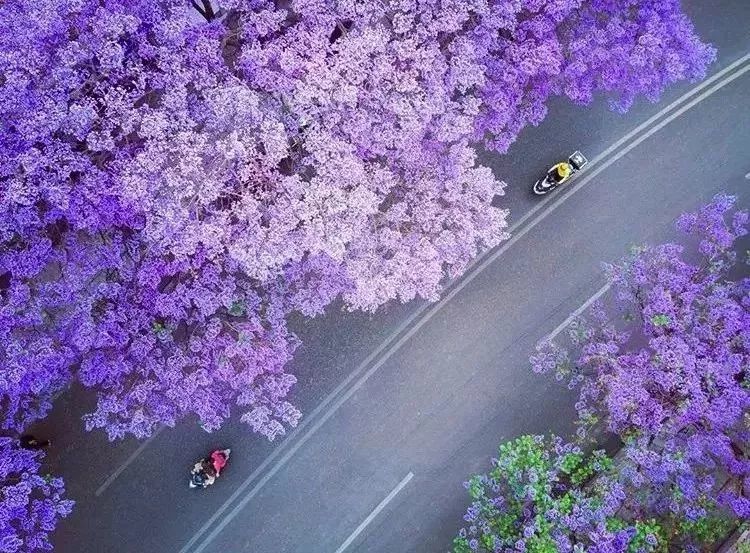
<point x="560" y="172"/>
<point x="218" y="460"/>
<point x="211" y="467"/>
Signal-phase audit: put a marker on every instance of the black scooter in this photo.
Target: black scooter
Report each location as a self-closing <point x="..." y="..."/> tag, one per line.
<point x="203" y="474"/>
<point x="547" y="184"/>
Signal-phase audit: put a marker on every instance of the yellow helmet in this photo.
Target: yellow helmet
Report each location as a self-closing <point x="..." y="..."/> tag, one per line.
<point x="563" y="170"/>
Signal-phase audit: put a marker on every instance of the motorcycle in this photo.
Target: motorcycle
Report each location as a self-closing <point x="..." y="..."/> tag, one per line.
<point x="548" y="183"/>
<point x="203" y="473"/>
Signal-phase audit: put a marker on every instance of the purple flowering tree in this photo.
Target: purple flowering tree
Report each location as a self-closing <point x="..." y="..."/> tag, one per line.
<point x="180" y="176"/>
<point x="629" y="48"/>
<point x="666" y="368"/>
<point x="534" y="50"/>
<point x="543" y="495"/>
<point x="30" y="504"/>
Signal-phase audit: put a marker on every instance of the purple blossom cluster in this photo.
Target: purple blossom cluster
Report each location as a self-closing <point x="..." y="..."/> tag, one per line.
<point x="30" y="504"/>
<point x="177" y="177"/>
<point x="666" y="368"/>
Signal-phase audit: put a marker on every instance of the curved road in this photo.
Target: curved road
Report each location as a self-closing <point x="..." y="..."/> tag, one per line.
<point x="402" y="406"/>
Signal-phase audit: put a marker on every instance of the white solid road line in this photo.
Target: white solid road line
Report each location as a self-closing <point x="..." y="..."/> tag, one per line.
<point x="593" y="162"/>
<point x="374" y="513"/>
<point x="589" y="175"/>
<point x="427" y="311"/>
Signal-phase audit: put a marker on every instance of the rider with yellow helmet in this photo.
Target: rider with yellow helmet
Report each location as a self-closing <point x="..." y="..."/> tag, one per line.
<point x="560" y="172"/>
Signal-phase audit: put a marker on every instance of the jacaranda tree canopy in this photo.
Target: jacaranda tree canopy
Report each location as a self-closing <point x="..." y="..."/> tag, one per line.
<point x="177" y="176"/>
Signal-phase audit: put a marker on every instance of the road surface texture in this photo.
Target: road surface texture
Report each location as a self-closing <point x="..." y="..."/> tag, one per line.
<point x="403" y="405"/>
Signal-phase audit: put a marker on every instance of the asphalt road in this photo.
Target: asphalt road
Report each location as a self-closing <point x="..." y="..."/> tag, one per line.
<point x="378" y="462"/>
